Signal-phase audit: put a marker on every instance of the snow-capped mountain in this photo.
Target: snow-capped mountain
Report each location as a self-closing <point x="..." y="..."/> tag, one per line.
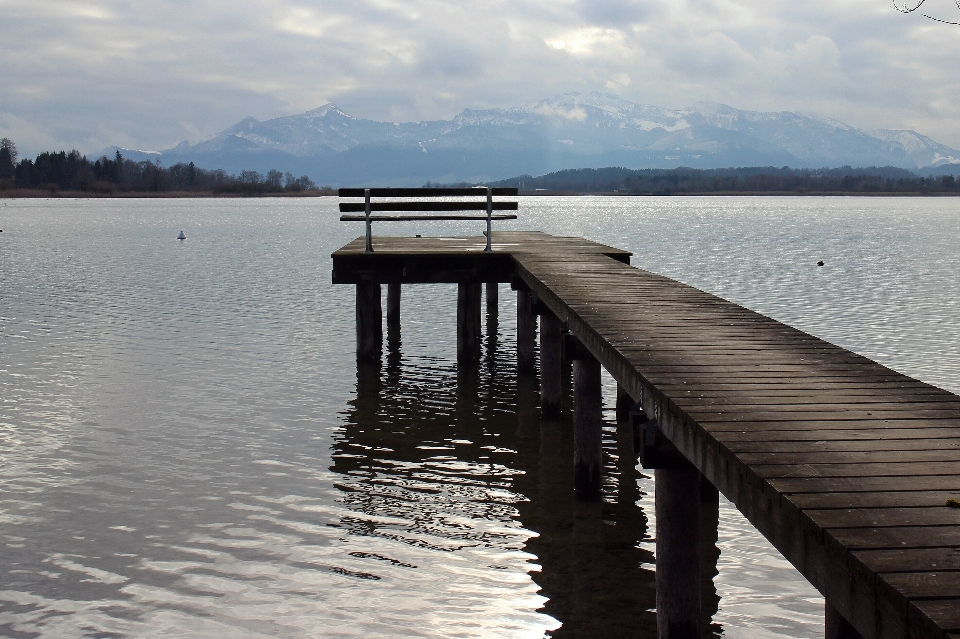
<point x="570" y="130"/>
<point x="921" y="149"/>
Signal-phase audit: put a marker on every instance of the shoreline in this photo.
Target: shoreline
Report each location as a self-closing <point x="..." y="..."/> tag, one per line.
<point x="12" y="194"/>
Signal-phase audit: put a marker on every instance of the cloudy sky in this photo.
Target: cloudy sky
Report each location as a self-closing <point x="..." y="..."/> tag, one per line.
<point x="147" y="75"/>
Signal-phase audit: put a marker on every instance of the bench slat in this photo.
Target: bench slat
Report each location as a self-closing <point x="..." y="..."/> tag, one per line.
<point x="358" y="207"/>
<point x="401" y="192"/>
<point x="411" y="218"/>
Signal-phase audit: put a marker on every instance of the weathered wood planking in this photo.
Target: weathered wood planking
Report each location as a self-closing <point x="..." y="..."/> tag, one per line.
<point x="843" y="464"/>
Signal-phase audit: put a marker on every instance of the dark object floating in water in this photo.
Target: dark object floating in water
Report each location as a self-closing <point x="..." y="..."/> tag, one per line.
<point x="182" y="236"/>
<point x="820" y="263"/>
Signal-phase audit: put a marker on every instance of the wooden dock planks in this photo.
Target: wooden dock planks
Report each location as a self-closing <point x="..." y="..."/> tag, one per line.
<point x="843" y="464"/>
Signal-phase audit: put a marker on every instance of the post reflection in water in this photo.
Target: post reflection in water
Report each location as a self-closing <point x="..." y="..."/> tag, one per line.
<point x="453" y="457"/>
<point x="394" y="357"/>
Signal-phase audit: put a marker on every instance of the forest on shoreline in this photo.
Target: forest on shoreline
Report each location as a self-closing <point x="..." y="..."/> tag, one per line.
<point x="73" y="174"/>
<point x="766" y="180"/>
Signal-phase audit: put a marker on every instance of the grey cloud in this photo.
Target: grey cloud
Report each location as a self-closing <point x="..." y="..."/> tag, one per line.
<point x="89" y="74"/>
<point x="450" y="61"/>
<point x="616" y="13"/>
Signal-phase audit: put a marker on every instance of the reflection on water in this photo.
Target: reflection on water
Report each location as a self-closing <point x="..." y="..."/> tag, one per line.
<point x="188" y="449"/>
<point x="473" y="467"/>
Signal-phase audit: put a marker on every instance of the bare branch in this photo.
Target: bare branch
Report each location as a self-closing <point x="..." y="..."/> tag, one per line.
<point x="907" y="8"/>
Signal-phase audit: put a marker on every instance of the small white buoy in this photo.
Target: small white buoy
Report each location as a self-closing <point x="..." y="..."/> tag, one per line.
<point x="182" y="235"/>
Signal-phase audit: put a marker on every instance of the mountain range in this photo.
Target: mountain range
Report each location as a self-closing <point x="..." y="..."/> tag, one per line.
<point x="571" y="130"/>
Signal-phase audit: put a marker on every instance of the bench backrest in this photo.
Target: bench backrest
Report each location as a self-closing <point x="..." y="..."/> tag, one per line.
<point x="483" y="201"/>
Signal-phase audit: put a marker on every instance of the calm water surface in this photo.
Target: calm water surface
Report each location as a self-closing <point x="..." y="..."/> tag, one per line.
<point x="187" y="448"/>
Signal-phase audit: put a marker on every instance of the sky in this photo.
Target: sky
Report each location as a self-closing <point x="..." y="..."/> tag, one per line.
<point x="148" y="75"/>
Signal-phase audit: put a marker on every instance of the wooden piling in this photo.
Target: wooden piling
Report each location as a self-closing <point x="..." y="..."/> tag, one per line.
<point x="492" y="335"/>
<point x="624" y="404"/>
<point x="835" y="626"/>
<point x="493" y="323"/>
<point x="677" y="553"/>
<point x="709" y="553"/>
<point x="551" y="366"/>
<point x="369" y="322"/>
<point x="587" y="428"/>
<point x="493" y="296"/>
<point x="526" y="331"/>
<point x="393" y="304"/>
<point x="468" y="321"/>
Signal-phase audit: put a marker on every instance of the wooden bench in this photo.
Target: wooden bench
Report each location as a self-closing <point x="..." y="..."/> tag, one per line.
<point x="483" y="201"/>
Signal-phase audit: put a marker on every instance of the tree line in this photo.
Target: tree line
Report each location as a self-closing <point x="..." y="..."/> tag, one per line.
<point x="74" y="172"/>
<point x="846" y="179"/>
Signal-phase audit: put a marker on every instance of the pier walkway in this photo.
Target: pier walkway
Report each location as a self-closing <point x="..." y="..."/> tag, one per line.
<point x="843" y="464"/>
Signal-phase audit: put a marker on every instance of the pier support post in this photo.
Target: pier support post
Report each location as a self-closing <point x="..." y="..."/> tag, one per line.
<point x="493" y="296"/>
<point x="709" y="553"/>
<point x="493" y="327"/>
<point x="468" y="321"/>
<point x="551" y="366"/>
<point x="624" y="404"/>
<point x="678" y="552"/>
<point x="835" y="626"/>
<point x="526" y="330"/>
<point x="393" y="304"/>
<point x="369" y="322"/>
<point x="587" y="428"/>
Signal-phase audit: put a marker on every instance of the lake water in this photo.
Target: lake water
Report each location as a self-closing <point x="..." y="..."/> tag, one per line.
<point x="187" y="448"/>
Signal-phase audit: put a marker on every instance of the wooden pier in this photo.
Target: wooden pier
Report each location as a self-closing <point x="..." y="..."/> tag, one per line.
<point x="845" y="466"/>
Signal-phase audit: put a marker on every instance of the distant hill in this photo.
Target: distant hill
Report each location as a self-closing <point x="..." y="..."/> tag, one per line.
<point x="760" y="179"/>
<point x="569" y="130"/>
<point x="130" y="154"/>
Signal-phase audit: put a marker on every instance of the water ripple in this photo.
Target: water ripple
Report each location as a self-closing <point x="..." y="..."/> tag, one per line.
<point x="187" y="447"/>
